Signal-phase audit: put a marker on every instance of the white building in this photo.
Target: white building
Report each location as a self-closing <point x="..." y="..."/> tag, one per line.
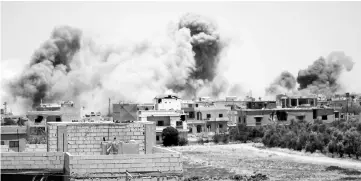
<point x="168" y="102"/>
<point x="167" y="113"/>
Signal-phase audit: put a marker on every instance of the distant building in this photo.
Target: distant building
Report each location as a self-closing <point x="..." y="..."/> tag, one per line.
<point x="167" y="102"/>
<point x="164" y="119"/>
<point x="63" y="112"/>
<point x="166" y="113"/>
<point x="14" y="137"/>
<point x="261" y="117"/>
<point x="207" y="117"/>
<point x="260" y="104"/>
<point x="125" y="112"/>
<point x="284" y="101"/>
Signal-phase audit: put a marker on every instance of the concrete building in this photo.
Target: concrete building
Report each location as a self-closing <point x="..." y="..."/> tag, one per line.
<point x="261" y="117"/>
<point x="166" y="113"/>
<point x="284" y="101"/>
<point x="125" y="112"/>
<point x="260" y="104"/>
<point x="129" y="111"/>
<point x="167" y="102"/>
<point x="208" y="117"/>
<point x="79" y="151"/>
<point x="164" y="119"/>
<point x="14" y="137"/>
<point x="63" y="112"/>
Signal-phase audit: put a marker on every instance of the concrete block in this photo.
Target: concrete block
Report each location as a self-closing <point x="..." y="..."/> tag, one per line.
<point x="164" y="159"/>
<point x="174" y="160"/>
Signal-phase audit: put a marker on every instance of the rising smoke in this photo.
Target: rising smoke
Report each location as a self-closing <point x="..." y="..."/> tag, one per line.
<point x="72" y="66"/>
<point x="48" y="62"/>
<point x="283" y="84"/>
<point x="322" y="77"/>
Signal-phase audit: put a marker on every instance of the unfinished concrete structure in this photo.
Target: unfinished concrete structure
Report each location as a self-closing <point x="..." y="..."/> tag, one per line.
<point x="284" y="101"/>
<point x="62" y="112"/>
<point x="124" y="112"/>
<point x="75" y="151"/>
<point x="260" y="117"/>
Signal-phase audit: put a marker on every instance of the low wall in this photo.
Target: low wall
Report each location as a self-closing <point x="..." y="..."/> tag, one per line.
<point x="5" y="148"/>
<point x="161" y="164"/>
<point x="32" y="161"/>
<point x="35" y="148"/>
<point x="137" y="179"/>
<point x="86" y="138"/>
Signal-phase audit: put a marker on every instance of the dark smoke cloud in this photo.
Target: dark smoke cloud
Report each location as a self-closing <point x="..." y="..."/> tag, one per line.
<point x="51" y="58"/>
<point x="206" y="45"/>
<point x="72" y="66"/>
<point x="284" y="83"/>
<point x="322" y="76"/>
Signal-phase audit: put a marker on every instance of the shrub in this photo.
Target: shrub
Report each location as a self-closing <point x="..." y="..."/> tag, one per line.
<point x="200" y="141"/>
<point x="182" y="141"/>
<point x="225" y="139"/>
<point x="233" y="134"/>
<point x="170" y="136"/>
<point x="257" y="140"/>
<point x="36" y="140"/>
<point x="331" y="147"/>
<point x="340" y="148"/>
<point x="217" y="138"/>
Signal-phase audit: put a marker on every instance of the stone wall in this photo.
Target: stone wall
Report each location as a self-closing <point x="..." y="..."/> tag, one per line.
<point x="162" y="164"/>
<point x="86" y="138"/>
<point x="32" y="161"/>
<point x="35" y="148"/>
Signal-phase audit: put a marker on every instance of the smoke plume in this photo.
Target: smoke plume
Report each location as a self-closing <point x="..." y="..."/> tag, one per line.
<point x="51" y="59"/>
<point x="206" y="46"/>
<point x="322" y="76"/>
<point x="284" y="83"/>
<point x="72" y="66"/>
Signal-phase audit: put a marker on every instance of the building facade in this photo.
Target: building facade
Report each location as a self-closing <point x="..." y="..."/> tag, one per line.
<point x="14" y="137"/>
<point x="209" y="117"/>
<point x="166" y="113"/>
<point x="261" y="117"/>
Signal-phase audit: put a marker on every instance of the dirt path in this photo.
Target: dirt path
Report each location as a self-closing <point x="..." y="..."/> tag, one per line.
<point x="302" y="157"/>
<point x="278" y="164"/>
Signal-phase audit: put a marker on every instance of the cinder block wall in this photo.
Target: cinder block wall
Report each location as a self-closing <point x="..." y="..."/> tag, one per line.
<point x="164" y="178"/>
<point x="5" y="148"/>
<point x="35" y="148"/>
<point x="163" y="163"/>
<point x="32" y="160"/>
<point x="86" y="138"/>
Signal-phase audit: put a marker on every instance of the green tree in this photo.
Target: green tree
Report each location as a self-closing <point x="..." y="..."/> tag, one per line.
<point x="340" y="149"/>
<point x="332" y="147"/>
<point x="170" y="136"/>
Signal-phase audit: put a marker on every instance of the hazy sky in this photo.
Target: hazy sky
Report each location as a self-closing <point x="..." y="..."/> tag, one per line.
<point x="274" y="36"/>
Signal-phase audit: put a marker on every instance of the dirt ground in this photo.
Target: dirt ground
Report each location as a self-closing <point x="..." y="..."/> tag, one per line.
<point x="220" y="161"/>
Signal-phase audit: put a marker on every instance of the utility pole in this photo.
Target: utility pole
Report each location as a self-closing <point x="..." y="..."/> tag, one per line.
<point x="5" y="107"/>
<point x="109" y="108"/>
<point x="347" y="95"/>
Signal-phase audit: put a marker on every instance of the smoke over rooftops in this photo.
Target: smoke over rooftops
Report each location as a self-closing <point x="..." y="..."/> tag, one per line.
<point x="71" y="66"/>
<point x="322" y="77"/>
